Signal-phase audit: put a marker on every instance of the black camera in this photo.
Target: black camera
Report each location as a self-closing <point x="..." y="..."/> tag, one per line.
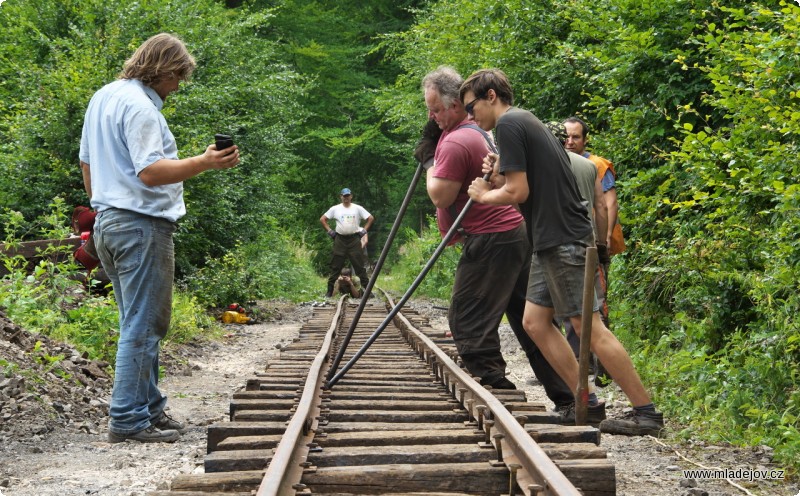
<point x="223" y="141"/>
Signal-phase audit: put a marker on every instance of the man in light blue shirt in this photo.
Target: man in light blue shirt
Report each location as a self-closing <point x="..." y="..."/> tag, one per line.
<point x="132" y="173"/>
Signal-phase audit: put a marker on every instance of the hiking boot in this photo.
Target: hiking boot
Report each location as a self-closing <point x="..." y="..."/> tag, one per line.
<point x="595" y="414"/>
<point x="167" y="423"/>
<point x="149" y="435"/>
<point x="634" y="423"/>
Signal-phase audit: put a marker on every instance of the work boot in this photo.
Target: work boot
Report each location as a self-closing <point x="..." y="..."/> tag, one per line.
<point x="635" y="423"/>
<point x="150" y="435"/>
<point x="165" y="423"/>
<point x="595" y="414"/>
<point x="499" y="383"/>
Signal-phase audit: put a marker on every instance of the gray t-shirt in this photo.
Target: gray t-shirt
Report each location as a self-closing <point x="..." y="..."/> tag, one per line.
<point x="585" y="175"/>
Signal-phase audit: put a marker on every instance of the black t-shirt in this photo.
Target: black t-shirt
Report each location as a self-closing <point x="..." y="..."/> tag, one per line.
<point x="554" y="211"/>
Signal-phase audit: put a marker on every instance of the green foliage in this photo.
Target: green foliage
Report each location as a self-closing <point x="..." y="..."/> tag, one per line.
<point x="8" y="368"/>
<point x="347" y="143"/>
<point x="696" y="102"/>
<point x="55" y="55"/>
<point x="190" y="321"/>
<point x="51" y="300"/>
<point x="270" y="267"/>
<point x="415" y="253"/>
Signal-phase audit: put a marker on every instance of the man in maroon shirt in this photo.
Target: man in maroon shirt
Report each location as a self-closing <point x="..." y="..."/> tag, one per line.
<point x="491" y="277"/>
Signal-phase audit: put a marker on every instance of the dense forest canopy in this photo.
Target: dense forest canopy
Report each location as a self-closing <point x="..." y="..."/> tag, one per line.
<point x="697" y="103"/>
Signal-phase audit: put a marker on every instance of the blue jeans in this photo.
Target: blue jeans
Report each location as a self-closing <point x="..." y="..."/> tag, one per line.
<point x="138" y="255"/>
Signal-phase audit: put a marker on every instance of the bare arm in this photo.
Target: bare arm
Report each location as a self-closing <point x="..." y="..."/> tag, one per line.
<point x="87" y="178"/>
<point x="610" y="197"/>
<point x="442" y="192"/>
<point x="370" y="220"/>
<point x="353" y="290"/>
<point x="600" y="212"/>
<point x="324" y="221"/>
<point x="513" y="192"/>
<point x="171" y="171"/>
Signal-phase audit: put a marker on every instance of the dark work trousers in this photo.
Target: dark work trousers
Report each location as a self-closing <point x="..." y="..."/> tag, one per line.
<point x="347" y="247"/>
<point x="492" y="279"/>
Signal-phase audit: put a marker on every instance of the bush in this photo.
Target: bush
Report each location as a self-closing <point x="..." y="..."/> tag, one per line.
<point x="52" y="300"/>
<point x="414" y="254"/>
<point x="270" y="267"/>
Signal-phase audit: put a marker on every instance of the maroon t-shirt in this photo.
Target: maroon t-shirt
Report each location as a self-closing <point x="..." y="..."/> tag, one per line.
<point x="459" y="157"/>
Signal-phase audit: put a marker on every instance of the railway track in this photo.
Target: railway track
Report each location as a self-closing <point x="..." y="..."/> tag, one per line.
<point x="404" y="420"/>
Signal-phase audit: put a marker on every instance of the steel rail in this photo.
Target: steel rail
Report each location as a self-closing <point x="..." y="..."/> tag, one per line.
<point x="537" y="471"/>
<point x="280" y="475"/>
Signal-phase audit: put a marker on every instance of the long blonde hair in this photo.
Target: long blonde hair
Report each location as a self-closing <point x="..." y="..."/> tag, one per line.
<point x="158" y="58"/>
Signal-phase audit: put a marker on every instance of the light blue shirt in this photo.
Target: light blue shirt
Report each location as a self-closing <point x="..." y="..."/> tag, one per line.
<point x="123" y="133"/>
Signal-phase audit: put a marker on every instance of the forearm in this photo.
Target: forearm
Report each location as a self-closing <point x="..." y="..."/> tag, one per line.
<point x="87" y="178"/>
<point x="499" y="196"/>
<point x="514" y="191"/>
<point x="370" y="220"/>
<point x="601" y="222"/>
<point x="169" y="171"/>
<point x="600" y="213"/>
<point x="324" y="221"/>
<point x="613" y="209"/>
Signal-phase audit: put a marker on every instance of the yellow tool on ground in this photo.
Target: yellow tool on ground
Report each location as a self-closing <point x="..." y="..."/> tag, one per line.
<point x="231" y="317"/>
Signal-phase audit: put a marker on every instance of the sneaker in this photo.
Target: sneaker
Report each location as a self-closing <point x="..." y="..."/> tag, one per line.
<point x="167" y="423"/>
<point x="635" y="423"/>
<point x="595" y="414"/>
<point x="150" y="435"/>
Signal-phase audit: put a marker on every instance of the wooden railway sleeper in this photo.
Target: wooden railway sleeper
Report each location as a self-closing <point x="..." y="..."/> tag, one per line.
<point x="489" y="415"/>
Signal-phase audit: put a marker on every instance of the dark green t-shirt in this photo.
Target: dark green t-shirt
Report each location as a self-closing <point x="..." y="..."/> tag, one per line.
<point x="554" y="211"/>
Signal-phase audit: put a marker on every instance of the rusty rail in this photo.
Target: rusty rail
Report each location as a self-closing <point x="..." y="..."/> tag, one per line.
<point x="535" y="472"/>
<point x="408" y="419"/>
<point x="280" y="475"/>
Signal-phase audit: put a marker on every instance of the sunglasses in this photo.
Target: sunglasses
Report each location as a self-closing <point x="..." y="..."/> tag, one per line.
<point x="471" y="105"/>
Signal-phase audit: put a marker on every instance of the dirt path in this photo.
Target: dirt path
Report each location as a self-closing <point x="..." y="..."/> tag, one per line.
<point x="62" y="450"/>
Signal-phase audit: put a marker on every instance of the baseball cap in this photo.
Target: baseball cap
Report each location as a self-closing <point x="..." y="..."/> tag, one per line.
<point x="346" y="191"/>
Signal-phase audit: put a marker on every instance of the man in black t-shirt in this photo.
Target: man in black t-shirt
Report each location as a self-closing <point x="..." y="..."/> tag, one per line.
<point x="536" y="175"/>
